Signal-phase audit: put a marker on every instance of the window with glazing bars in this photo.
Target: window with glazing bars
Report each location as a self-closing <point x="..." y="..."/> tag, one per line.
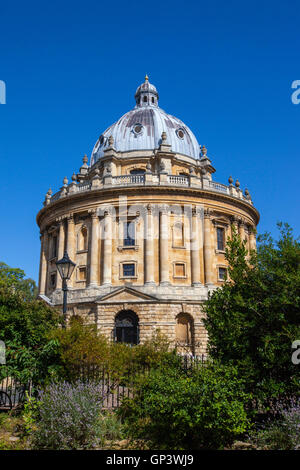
<point x="129" y="270"/>
<point x="221" y="238"/>
<point x="129" y="233"/>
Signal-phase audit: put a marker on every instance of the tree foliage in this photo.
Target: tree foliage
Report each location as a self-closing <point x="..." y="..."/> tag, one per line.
<point x="14" y="278"/>
<point x="254" y="317"/>
<point x="24" y="327"/>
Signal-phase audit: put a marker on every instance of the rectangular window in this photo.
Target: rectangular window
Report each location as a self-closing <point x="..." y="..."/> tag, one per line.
<point x="222" y="274"/>
<point x="129" y="233"/>
<point x="220" y="238"/>
<point x="53" y="280"/>
<point x="82" y="273"/>
<point x="179" y="270"/>
<point x="129" y="270"/>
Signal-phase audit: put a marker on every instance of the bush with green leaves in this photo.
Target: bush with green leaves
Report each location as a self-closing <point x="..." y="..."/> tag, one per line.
<point x="253" y="319"/>
<point x="83" y="351"/>
<point x="205" y="408"/>
<point x="281" y="430"/>
<point x="25" y="326"/>
<point x="69" y="417"/>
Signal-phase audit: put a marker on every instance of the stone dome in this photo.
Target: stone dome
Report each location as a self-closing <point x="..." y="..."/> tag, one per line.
<point x="142" y="127"/>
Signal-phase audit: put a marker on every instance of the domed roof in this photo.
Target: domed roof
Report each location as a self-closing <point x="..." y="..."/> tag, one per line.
<point x="141" y="128"/>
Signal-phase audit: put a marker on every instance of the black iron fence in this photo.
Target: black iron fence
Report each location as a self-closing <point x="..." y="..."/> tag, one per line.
<point x="12" y="391"/>
<point x="113" y="386"/>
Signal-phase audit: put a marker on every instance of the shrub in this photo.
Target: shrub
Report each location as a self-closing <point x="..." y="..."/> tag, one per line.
<point x="281" y="431"/>
<point x="205" y="409"/>
<point x="84" y="353"/>
<point x="69" y="417"/>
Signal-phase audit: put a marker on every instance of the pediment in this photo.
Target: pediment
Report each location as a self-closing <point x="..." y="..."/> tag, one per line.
<point x="125" y="294"/>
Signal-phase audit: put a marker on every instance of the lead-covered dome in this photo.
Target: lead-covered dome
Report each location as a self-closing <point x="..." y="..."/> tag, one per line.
<point x="141" y="128"/>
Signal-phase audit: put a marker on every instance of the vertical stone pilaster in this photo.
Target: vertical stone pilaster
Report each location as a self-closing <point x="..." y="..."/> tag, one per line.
<point x="149" y="247"/>
<point x="164" y="247"/>
<point x="107" y="251"/>
<point x="61" y="247"/>
<point x="71" y="244"/>
<point x="195" y="244"/>
<point x="208" y="249"/>
<point x="43" y="263"/>
<point x="94" y="255"/>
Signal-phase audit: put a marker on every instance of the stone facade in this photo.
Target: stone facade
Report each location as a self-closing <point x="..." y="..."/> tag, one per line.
<point x="147" y="230"/>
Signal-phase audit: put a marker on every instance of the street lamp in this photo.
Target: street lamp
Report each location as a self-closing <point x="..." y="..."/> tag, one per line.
<point x="65" y="268"/>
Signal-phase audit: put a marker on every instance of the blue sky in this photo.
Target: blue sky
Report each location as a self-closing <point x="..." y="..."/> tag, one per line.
<point x="72" y="68"/>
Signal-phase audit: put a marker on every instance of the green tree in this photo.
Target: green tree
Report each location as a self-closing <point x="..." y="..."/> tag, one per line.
<point x="25" y="326"/>
<point x="15" y="279"/>
<point x="254" y="317"/>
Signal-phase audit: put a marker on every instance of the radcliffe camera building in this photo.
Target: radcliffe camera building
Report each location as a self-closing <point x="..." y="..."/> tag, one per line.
<point x="146" y="225"/>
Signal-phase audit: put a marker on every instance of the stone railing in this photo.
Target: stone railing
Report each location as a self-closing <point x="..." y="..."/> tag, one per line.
<point x="128" y="179"/>
<point x="151" y="179"/>
<point x="178" y="180"/>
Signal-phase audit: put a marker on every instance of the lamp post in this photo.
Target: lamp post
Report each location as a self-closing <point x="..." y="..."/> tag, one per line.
<point x="65" y="268"/>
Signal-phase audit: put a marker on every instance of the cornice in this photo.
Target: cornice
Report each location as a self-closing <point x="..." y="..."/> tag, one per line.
<point x="99" y="195"/>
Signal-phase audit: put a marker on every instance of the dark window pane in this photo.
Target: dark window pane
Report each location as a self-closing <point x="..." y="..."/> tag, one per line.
<point x="129" y="234"/>
<point x="222" y="273"/>
<point x="128" y="269"/>
<point x="126" y="327"/>
<point x="220" y="239"/>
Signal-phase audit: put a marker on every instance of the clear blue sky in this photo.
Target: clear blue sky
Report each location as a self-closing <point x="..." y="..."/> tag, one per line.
<point x="71" y="69"/>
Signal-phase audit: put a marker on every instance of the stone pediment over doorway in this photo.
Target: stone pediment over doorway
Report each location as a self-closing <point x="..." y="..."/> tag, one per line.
<point x="127" y="294"/>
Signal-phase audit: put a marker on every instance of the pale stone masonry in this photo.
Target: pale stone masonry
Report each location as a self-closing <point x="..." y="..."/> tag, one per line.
<point x="146" y="226"/>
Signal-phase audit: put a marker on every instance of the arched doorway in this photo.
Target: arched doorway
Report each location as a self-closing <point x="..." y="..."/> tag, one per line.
<point x="184" y="331"/>
<point x="127" y="327"/>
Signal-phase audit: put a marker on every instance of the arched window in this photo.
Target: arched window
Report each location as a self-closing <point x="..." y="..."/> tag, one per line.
<point x="145" y="99"/>
<point x="127" y="327"/>
<point x="184" y="330"/>
<point x="152" y="99"/>
<point x="82" y="239"/>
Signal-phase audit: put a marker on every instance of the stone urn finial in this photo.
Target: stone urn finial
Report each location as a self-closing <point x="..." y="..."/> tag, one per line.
<point x="163" y="136"/>
<point x="85" y="159"/>
<point x="230" y="180"/>
<point x="237" y="184"/>
<point x="65" y="181"/>
<point x="74" y="177"/>
<point x="111" y="141"/>
<point x="203" y="151"/>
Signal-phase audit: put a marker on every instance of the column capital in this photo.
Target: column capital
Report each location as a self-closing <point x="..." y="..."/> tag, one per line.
<point x="207" y="213"/>
<point x="93" y="213"/>
<point x="164" y="208"/>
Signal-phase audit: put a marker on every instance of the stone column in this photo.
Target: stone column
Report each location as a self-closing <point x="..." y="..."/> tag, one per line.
<point x="71" y="245"/>
<point x="195" y="244"/>
<point x="233" y="223"/>
<point x="252" y="239"/>
<point x="209" y="275"/>
<point x="149" y="247"/>
<point x="60" y="252"/>
<point x="107" y="250"/>
<point x="94" y="255"/>
<point x="43" y="263"/>
<point x="242" y="230"/>
<point x="163" y="247"/>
